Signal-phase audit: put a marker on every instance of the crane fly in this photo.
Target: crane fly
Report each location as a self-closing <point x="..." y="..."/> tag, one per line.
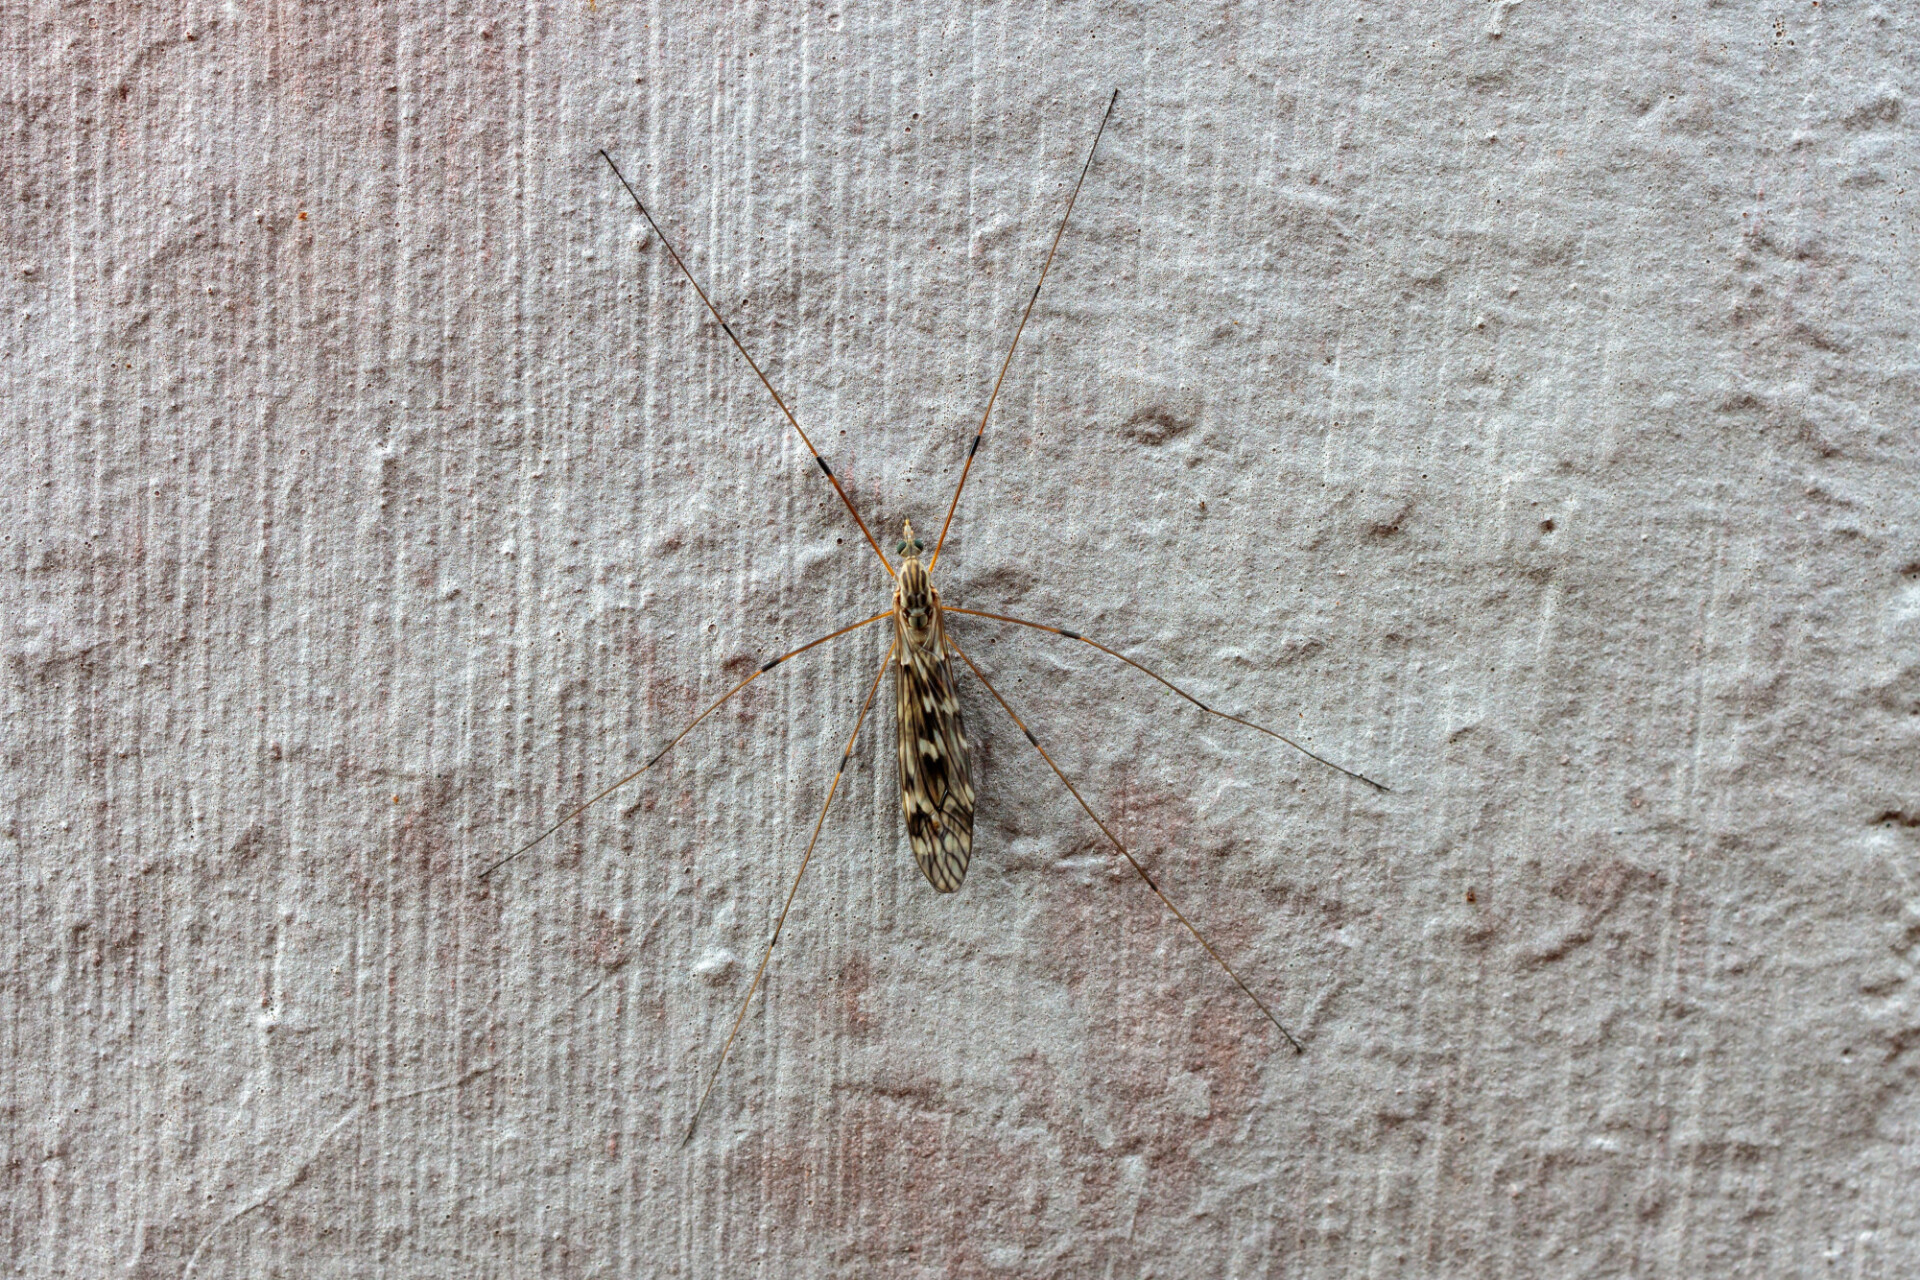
<point x="935" y="764"/>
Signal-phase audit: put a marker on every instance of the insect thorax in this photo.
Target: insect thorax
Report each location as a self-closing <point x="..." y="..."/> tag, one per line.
<point x="916" y="601"/>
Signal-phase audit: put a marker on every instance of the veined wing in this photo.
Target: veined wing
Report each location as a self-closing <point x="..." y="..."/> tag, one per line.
<point x="936" y="783"/>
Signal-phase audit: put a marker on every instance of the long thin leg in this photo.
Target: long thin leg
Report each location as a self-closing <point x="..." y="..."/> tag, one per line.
<point x="1024" y="316"/>
<point x="1075" y="635"/>
<point x="781" y="923"/>
<point x="711" y="708"/>
<point x="1115" y="842"/>
<point x="753" y="364"/>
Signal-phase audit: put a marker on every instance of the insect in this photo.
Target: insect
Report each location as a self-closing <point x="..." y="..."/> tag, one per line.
<point x="933" y="750"/>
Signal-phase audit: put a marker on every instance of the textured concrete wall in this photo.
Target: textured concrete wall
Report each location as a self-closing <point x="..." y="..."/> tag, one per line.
<point x="1514" y="401"/>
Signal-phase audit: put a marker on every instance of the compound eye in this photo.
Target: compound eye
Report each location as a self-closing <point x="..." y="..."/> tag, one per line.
<point x="919" y="545"/>
<point x="900" y="547"/>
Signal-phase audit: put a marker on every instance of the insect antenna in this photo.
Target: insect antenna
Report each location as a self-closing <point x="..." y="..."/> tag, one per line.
<point x="752" y="363"/>
<point x="781" y="923"/>
<point x="712" y="707"/>
<point x="1115" y="842"/>
<point x="1024" y="316"/>
<point x="1075" y="635"/>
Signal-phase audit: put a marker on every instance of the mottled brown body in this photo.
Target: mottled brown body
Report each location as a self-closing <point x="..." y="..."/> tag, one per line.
<point x="936" y="782"/>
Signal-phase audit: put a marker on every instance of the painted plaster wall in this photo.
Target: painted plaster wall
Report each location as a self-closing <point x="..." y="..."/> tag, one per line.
<point x="1514" y="402"/>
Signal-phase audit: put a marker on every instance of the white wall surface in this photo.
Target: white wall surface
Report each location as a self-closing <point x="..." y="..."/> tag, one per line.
<point x="1516" y="402"/>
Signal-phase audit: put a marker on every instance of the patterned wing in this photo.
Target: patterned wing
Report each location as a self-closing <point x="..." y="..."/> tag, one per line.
<point x="936" y="782"/>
